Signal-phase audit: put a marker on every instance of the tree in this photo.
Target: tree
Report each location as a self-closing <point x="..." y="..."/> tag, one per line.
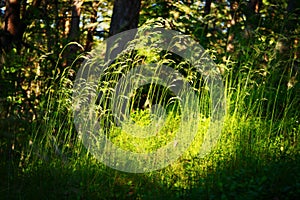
<point x="92" y="29"/>
<point x="125" y="16"/>
<point x="15" y="22"/>
<point x="11" y="24"/>
<point x="74" y="30"/>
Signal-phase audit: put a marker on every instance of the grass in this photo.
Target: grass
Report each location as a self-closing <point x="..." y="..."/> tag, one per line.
<point x="243" y="166"/>
<point x="256" y="157"/>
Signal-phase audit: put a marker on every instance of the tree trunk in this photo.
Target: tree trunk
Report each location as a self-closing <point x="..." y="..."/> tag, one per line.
<point x="91" y="30"/>
<point x="11" y="24"/>
<point x="14" y="27"/>
<point x="74" y="30"/>
<point x="125" y="16"/>
<point x="12" y="17"/>
<point x="74" y="33"/>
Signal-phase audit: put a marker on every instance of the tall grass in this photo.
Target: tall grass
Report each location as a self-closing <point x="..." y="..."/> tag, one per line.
<point x="257" y="155"/>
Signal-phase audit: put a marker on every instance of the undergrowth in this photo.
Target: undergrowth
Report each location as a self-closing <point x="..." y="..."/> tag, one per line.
<point x="256" y="157"/>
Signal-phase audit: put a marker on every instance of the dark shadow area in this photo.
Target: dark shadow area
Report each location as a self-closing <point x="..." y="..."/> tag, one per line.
<point x="241" y="177"/>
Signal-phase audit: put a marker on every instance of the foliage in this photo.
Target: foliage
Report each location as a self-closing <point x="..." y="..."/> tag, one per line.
<point x="256" y="157"/>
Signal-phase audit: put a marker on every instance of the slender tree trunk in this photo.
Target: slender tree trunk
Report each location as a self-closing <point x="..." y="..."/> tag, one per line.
<point x="74" y="30"/>
<point x="207" y="8"/>
<point x="91" y="30"/>
<point x="12" y="17"/>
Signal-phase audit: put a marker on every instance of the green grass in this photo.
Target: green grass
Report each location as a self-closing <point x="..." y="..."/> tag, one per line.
<point x="243" y="166"/>
<point x="256" y="157"/>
